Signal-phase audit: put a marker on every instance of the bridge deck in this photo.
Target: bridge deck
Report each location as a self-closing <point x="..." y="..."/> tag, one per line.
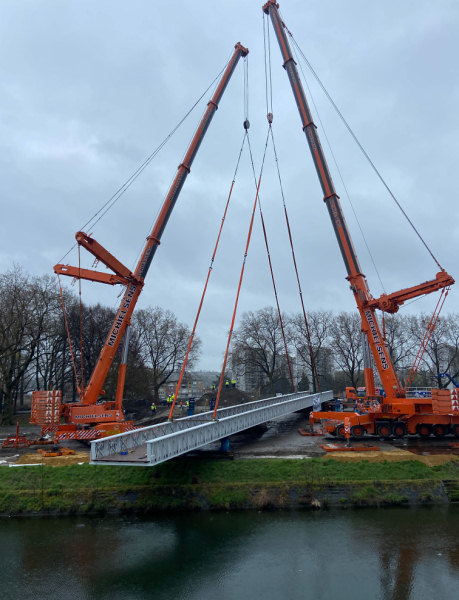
<point x="152" y="445"/>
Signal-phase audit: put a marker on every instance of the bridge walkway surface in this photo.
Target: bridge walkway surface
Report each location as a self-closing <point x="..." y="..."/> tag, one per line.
<point x="155" y="444"/>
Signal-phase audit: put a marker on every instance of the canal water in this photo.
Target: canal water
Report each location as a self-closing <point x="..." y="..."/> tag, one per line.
<point x="391" y="554"/>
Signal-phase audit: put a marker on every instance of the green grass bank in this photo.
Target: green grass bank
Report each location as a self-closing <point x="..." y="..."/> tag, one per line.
<point x="224" y="485"/>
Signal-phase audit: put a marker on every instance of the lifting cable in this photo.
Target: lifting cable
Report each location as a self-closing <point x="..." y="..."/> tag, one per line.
<point x="249" y="235"/>
<point x="340" y="175"/>
<point x="281" y="320"/>
<point x="428" y="334"/>
<point x="361" y="148"/>
<point x="69" y="338"/>
<point x="97" y="216"/>
<point x="177" y="389"/>
<point x="308" y="333"/>
<point x="81" y="318"/>
<point x="269" y="110"/>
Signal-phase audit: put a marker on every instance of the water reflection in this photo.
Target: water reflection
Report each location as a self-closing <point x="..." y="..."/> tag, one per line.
<point x="383" y="554"/>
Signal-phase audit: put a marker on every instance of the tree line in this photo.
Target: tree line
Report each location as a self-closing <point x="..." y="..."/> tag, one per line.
<point x="336" y="350"/>
<point x="35" y="352"/>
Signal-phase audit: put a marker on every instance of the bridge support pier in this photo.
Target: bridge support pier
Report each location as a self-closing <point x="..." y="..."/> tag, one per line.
<point x="225" y="444"/>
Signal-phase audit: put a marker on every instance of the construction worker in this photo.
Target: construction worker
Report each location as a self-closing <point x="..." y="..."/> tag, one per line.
<point x="172" y="398"/>
<point x="213" y="387"/>
<point x="227" y="384"/>
<point x="233" y="383"/>
<point x="153" y="408"/>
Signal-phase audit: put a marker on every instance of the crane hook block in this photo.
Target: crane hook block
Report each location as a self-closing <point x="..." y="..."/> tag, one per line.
<point x="269" y="116"/>
<point x="246" y="124"/>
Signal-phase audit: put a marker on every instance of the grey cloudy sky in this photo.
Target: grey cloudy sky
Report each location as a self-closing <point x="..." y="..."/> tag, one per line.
<point x="89" y="88"/>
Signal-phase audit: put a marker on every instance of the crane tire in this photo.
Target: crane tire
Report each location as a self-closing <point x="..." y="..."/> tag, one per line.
<point x="339" y="431"/>
<point x="424" y="430"/>
<point x="439" y="430"/>
<point x="399" y="429"/>
<point x="455" y="430"/>
<point x="357" y="431"/>
<point x="384" y="430"/>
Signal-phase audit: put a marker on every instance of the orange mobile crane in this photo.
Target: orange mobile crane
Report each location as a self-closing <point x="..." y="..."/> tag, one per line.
<point x="395" y="413"/>
<point x="90" y="417"/>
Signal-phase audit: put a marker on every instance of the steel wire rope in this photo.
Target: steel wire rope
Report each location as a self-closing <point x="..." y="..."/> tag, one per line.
<point x="362" y="149"/>
<point x="433" y="321"/>
<point x="428" y="334"/>
<point x="212" y="260"/>
<point x="300" y="291"/>
<point x="81" y="319"/>
<point x="281" y="320"/>
<point x="249" y="236"/>
<point x="72" y="356"/>
<point x="269" y="108"/>
<point x="212" y="85"/>
<point x="122" y="189"/>
<point x="346" y="191"/>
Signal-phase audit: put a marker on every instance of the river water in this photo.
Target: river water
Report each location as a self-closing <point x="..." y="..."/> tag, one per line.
<point x="391" y="554"/>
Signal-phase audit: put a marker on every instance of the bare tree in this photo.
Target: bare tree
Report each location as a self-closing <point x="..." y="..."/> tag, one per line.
<point x="401" y="344"/>
<point x="162" y="342"/>
<point x="346" y="345"/>
<point x="442" y="352"/>
<point x="28" y="304"/>
<point x="259" y="346"/>
<point x="319" y="323"/>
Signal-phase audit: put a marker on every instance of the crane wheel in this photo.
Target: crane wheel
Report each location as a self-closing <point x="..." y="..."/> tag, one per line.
<point x="439" y="430"/>
<point x="424" y="430"/>
<point x="339" y="431"/>
<point x="384" y="430"/>
<point x="399" y="430"/>
<point x="357" y="431"/>
<point x="455" y="430"/>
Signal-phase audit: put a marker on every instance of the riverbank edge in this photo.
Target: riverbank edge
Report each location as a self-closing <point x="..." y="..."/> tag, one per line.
<point x="146" y="500"/>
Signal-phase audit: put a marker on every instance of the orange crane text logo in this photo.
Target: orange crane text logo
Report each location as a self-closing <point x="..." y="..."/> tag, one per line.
<point x="121" y="315"/>
<point x="379" y="346"/>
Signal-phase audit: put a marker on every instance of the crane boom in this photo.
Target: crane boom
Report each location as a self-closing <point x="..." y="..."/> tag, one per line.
<point x="134" y="282"/>
<point x="358" y="284"/>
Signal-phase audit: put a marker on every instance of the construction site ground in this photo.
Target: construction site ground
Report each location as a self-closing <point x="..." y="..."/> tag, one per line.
<point x="278" y="439"/>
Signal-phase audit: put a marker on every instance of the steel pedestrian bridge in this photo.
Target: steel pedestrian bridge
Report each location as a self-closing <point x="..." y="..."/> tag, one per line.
<point x="155" y="444"/>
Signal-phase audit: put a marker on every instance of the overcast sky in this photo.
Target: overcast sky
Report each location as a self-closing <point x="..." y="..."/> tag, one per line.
<point x="89" y="88"/>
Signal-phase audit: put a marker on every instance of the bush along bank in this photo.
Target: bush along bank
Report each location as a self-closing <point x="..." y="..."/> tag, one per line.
<point x="220" y="485"/>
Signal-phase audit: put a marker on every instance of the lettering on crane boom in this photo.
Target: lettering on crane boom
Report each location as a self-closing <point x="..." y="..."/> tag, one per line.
<point x="379" y="345"/>
<point x="121" y="315"/>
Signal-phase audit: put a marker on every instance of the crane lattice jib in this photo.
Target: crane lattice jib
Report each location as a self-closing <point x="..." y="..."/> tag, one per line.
<point x="355" y="276"/>
<point x="134" y="287"/>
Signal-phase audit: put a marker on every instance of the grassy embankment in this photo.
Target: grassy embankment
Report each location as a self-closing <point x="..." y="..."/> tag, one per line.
<point x="210" y="484"/>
